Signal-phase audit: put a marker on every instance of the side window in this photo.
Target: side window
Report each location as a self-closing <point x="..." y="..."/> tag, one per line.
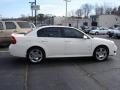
<point x="1" y="26"/>
<point x="72" y="33"/>
<point x="24" y="24"/>
<point x="49" y="32"/>
<point x="10" y="25"/>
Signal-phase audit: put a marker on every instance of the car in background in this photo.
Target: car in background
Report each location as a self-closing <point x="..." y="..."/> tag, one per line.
<point x="9" y="27"/>
<point x="90" y="28"/>
<point x="99" y="31"/>
<point x="114" y="32"/>
<point x="59" y="42"/>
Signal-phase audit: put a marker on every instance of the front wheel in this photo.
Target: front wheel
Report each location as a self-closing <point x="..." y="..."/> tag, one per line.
<point x="101" y="53"/>
<point x="35" y="55"/>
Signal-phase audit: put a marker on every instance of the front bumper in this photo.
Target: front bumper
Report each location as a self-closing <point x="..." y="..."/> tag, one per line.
<point x="113" y="50"/>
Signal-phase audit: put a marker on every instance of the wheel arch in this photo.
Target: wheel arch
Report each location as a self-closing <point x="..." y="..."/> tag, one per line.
<point x="36" y="47"/>
<point x="101" y="46"/>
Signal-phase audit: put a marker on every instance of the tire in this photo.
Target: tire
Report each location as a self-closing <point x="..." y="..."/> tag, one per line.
<point x="101" y="53"/>
<point x="35" y="55"/>
<point x="96" y="33"/>
<point x="118" y="37"/>
<point x="110" y="35"/>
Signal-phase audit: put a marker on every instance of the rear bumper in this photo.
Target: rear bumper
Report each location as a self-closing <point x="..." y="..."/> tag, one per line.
<point x="17" y="51"/>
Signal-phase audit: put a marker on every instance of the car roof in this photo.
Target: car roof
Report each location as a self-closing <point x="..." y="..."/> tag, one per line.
<point x="12" y="21"/>
<point x="54" y="26"/>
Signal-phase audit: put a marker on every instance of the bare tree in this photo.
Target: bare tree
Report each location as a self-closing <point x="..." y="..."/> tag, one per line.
<point x="114" y="11"/>
<point x="87" y="9"/>
<point x="108" y="10"/>
<point x="118" y="11"/>
<point x="79" y="12"/>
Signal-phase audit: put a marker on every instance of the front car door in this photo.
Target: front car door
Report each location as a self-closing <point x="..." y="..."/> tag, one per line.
<point x="75" y="44"/>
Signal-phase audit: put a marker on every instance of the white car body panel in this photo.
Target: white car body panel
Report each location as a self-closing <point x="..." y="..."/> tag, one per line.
<point x="59" y="47"/>
<point x="100" y="31"/>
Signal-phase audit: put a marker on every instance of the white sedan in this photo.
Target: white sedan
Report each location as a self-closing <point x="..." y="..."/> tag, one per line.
<point x="60" y="41"/>
<point x="99" y="31"/>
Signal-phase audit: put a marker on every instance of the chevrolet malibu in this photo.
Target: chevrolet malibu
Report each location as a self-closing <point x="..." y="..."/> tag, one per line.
<point x="59" y="41"/>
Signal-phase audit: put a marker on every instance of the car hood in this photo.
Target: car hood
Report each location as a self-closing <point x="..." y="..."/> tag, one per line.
<point x="102" y="40"/>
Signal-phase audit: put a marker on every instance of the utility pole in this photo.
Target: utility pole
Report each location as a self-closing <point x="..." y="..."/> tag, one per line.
<point x="34" y="7"/>
<point x="35" y="14"/>
<point x="32" y="3"/>
<point x="67" y="5"/>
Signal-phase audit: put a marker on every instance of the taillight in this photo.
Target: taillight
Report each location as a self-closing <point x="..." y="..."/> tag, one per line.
<point x="12" y="40"/>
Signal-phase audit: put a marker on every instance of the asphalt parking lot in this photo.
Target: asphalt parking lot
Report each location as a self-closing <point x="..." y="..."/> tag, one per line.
<point x="60" y="74"/>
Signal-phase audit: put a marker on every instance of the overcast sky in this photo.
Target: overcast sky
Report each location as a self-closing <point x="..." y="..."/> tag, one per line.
<point x="15" y="8"/>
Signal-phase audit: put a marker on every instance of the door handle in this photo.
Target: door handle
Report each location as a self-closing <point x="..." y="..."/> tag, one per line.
<point x="67" y="41"/>
<point x="44" y="41"/>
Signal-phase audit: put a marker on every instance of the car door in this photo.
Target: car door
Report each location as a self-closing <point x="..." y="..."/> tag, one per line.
<point x="50" y="38"/>
<point x="103" y="31"/>
<point x="75" y="44"/>
<point x="10" y="28"/>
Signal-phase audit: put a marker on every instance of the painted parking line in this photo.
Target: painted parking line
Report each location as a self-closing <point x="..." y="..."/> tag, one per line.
<point x="4" y="51"/>
<point x="26" y="77"/>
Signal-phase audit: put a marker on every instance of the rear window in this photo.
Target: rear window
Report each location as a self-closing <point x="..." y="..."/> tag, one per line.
<point x="1" y="26"/>
<point x="10" y="25"/>
<point x="24" y="24"/>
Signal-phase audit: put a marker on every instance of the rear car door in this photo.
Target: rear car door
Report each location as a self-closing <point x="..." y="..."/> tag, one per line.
<point x="50" y="37"/>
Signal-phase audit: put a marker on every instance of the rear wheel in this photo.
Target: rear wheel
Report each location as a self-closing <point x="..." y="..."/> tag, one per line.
<point x="35" y="55"/>
<point x="96" y="33"/>
<point x="101" y="53"/>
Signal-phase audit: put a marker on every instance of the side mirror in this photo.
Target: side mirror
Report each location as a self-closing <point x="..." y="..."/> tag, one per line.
<point x="85" y="37"/>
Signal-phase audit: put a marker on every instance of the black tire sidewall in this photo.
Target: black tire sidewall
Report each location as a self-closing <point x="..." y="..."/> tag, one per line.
<point x="30" y="51"/>
<point x="94" y="54"/>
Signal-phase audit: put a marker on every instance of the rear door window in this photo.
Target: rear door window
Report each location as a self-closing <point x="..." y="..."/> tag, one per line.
<point x="10" y="25"/>
<point x="24" y="24"/>
<point x="1" y="26"/>
<point x="49" y="32"/>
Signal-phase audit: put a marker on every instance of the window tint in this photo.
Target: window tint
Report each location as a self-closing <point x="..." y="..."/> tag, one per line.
<point x="1" y="26"/>
<point x="10" y="25"/>
<point x="24" y="24"/>
<point x="72" y="33"/>
<point x="49" y="32"/>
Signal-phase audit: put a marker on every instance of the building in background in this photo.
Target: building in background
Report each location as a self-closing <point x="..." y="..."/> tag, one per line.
<point x="72" y="21"/>
<point x="105" y="20"/>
